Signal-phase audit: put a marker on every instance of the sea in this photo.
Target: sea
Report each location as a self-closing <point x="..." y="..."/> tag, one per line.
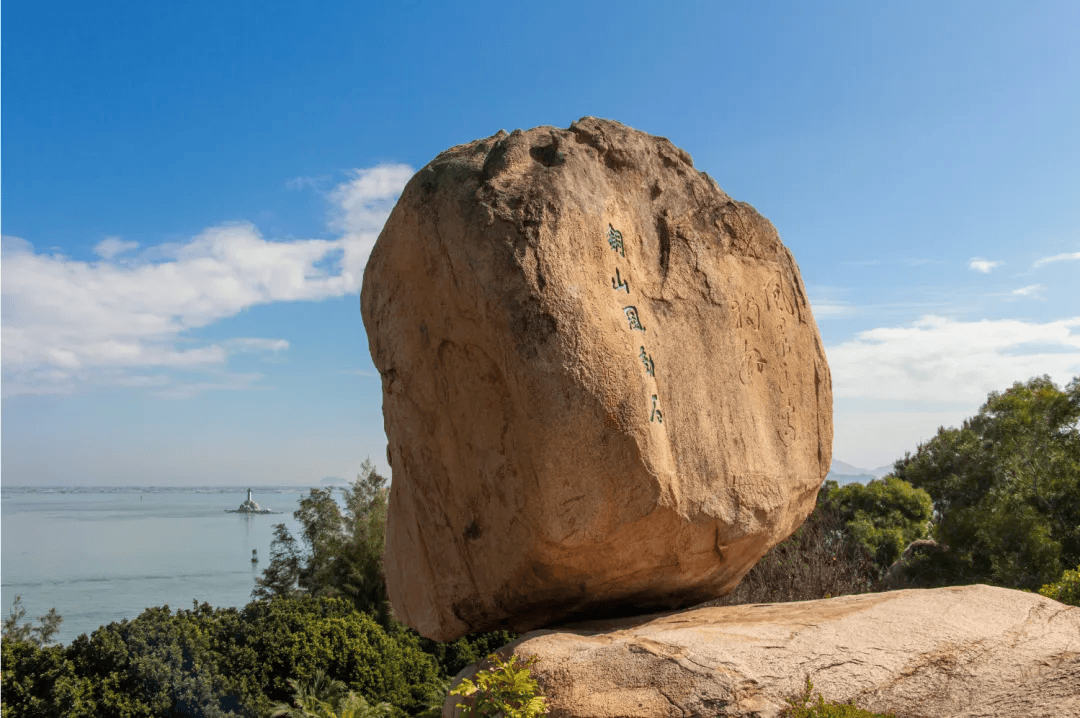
<point x="102" y="554"/>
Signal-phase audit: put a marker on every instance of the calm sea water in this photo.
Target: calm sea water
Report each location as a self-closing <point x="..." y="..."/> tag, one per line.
<point x="102" y="554"/>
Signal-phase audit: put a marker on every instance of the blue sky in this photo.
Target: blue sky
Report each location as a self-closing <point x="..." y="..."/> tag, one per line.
<point x="190" y="191"/>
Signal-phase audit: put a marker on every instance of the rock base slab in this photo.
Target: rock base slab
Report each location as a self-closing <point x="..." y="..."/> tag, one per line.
<point x="962" y="652"/>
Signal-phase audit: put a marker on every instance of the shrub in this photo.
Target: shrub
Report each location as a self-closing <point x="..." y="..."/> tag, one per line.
<point x="819" y="560"/>
<point x="508" y="689"/>
<point x="452" y="656"/>
<point x="802" y="707"/>
<point x="1066" y="590"/>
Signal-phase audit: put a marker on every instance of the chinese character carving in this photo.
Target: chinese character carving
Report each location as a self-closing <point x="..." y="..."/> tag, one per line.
<point x="787" y="432"/>
<point x="622" y="284"/>
<point x="650" y="367"/>
<point x="776" y="297"/>
<point x="752" y="363"/>
<point x="633" y="319"/>
<point x="614" y="238"/>
<point x="657" y="415"/>
<point x="745" y="315"/>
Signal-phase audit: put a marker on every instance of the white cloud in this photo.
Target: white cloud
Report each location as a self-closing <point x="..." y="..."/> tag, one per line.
<point x="1058" y="258"/>
<point x="254" y="344"/>
<point x="945" y="360"/>
<point x="14" y="245"/>
<point x="1029" y="291"/>
<point x="301" y="183"/>
<point x="233" y="382"/>
<point x="895" y="385"/>
<point x="68" y="322"/>
<point x="827" y="310"/>
<point x="110" y="247"/>
<point x="361" y="372"/>
<point x="360" y="208"/>
<point x="983" y="265"/>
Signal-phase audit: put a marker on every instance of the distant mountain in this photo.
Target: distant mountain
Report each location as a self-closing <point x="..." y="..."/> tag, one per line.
<point x="883" y="470"/>
<point x="842" y="468"/>
<point x="334" y="481"/>
<point x="844" y="473"/>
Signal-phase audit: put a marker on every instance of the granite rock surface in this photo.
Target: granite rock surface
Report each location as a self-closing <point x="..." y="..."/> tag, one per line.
<point x="959" y="652"/>
<point x="603" y="386"/>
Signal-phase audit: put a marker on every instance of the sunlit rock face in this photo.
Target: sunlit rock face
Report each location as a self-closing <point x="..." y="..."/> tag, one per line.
<point x="958" y="652"/>
<point x="603" y="387"/>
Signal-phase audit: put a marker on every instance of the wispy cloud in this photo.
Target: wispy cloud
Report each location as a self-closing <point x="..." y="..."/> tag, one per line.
<point x="983" y="265"/>
<point x="227" y="382"/>
<point x="894" y="386"/>
<point x="362" y="372"/>
<point x="255" y="344"/>
<point x="1032" y="290"/>
<point x="301" y="183"/>
<point x="945" y="360"/>
<point x="112" y="246"/>
<point x="67" y="322"/>
<point x="1058" y="258"/>
<point x="363" y="203"/>
<point x="828" y="310"/>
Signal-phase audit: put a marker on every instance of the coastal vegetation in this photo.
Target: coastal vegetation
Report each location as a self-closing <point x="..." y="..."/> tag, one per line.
<point x="995" y="501"/>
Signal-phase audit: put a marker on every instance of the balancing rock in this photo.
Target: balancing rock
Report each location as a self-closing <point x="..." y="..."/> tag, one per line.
<point x="603" y="387"/>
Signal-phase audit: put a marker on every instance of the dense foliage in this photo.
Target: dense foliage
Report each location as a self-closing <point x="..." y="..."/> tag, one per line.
<point x="1006" y="490"/>
<point x="883" y="516"/>
<point x="217" y="662"/>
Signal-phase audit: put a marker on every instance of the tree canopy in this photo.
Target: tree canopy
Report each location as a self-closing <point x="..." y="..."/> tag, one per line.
<point x="218" y="662"/>
<point x="884" y="516"/>
<point x="342" y="548"/>
<point x="1006" y="488"/>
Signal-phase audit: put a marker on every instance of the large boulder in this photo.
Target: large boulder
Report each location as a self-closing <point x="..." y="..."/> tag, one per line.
<point x="603" y="387"/>
<point x="962" y="652"/>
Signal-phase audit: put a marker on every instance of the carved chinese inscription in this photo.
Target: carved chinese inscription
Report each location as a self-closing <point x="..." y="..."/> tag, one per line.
<point x="787" y="431"/>
<point x="633" y="318"/>
<point x="622" y="283"/>
<point x="753" y="363"/>
<point x="650" y="367"/>
<point x="775" y="296"/>
<point x="657" y="415"/>
<point x="615" y="240"/>
<point x="745" y="314"/>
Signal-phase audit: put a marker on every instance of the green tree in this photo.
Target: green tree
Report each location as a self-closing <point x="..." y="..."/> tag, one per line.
<point x="40" y="635"/>
<point x="220" y="662"/>
<point x="1006" y="489"/>
<point x="295" y="638"/>
<point x="343" y="549"/>
<point x="324" y="697"/>
<point x="452" y="656"/>
<point x="281" y="576"/>
<point x="885" y="515"/>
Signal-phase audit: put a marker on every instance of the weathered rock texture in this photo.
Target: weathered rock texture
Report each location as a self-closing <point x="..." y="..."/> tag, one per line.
<point x="603" y="387"/>
<point x="965" y="652"/>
